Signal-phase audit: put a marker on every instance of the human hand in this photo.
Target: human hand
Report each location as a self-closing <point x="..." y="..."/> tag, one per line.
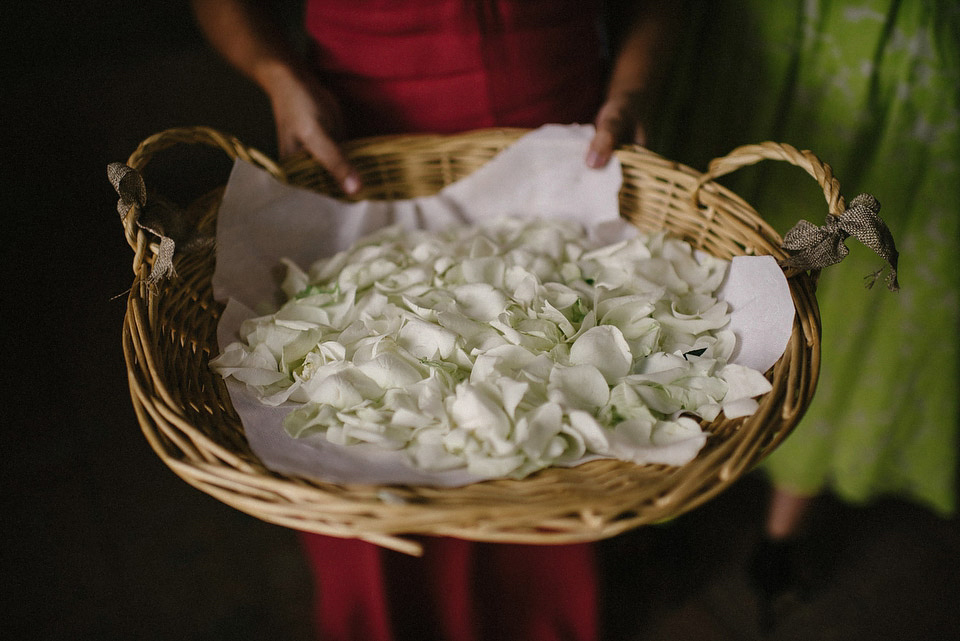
<point x="308" y="118"/>
<point x="619" y="120"/>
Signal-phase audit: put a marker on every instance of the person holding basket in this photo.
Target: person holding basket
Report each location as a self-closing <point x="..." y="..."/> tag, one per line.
<point x="446" y="66"/>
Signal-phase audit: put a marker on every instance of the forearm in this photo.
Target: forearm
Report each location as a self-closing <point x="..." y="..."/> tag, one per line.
<point x="247" y="39"/>
<point x="638" y="68"/>
<point x="307" y="115"/>
<point x="634" y="82"/>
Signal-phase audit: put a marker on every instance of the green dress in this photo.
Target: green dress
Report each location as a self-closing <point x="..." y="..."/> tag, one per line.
<point x="872" y="87"/>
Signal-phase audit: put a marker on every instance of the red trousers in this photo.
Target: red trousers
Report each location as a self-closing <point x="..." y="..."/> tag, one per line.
<point x="457" y="591"/>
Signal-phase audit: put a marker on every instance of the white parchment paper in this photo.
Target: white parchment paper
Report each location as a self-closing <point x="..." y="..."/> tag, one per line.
<point x="262" y="220"/>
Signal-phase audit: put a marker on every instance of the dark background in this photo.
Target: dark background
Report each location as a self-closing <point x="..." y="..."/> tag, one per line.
<point x="102" y="541"/>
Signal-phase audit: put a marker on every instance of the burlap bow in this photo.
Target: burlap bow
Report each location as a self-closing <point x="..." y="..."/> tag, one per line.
<point x="813" y="248"/>
<point x="158" y="216"/>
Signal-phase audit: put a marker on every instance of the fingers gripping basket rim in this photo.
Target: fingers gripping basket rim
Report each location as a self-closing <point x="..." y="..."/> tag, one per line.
<point x="184" y="411"/>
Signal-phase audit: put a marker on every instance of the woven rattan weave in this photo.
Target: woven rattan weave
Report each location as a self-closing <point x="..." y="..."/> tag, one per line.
<point x="183" y="408"/>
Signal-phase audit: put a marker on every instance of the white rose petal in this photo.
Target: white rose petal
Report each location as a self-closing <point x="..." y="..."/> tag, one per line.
<point x="743" y="385"/>
<point x="480" y="301"/>
<point x="347" y="388"/>
<point x="487" y="270"/>
<point x="390" y="370"/>
<point x="578" y="386"/>
<point x="475" y="410"/>
<point x="594" y="436"/>
<point x="605" y="348"/>
<point x="538" y="428"/>
<point x="426" y="340"/>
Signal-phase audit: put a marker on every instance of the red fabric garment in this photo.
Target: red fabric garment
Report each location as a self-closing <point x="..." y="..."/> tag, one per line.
<point x="442" y="66"/>
<point x="458" y="591"/>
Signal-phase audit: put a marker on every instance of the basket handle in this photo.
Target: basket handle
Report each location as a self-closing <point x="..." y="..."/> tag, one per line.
<point x="127" y="179"/>
<point x="751" y="154"/>
<point x="810" y="247"/>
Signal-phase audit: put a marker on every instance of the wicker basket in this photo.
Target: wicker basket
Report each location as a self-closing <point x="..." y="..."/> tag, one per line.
<point x="183" y="408"/>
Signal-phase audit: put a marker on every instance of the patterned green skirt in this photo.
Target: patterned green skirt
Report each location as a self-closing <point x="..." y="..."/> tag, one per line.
<point x="872" y="87"/>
